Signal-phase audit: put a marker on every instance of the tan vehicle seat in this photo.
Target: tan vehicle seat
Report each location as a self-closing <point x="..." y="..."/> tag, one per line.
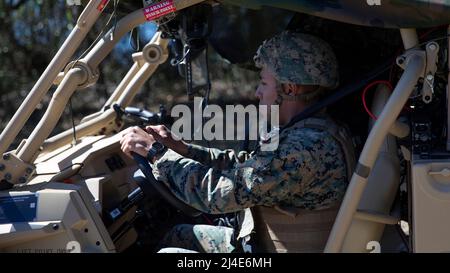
<point x="294" y="230"/>
<point x="303" y="231"/>
<point x="281" y="230"/>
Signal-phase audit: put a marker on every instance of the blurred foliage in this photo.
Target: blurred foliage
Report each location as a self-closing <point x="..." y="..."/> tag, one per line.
<point x="31" y="32"/>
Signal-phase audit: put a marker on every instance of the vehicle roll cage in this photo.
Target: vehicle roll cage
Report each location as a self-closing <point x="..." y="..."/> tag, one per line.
<point x="16" y="167"/>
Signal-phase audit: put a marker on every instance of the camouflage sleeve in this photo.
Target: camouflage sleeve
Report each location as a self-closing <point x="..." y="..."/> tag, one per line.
<point x="215" y="158"/>
<point x="294" y="174"/>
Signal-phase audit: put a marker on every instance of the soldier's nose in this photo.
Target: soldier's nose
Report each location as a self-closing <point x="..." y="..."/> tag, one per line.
<point x="258" y="94"/>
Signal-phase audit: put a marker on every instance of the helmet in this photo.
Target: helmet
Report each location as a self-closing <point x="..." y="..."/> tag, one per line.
<point x="299" y="58"/>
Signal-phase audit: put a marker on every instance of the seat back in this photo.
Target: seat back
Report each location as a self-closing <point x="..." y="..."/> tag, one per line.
<point x="305" y="231"/>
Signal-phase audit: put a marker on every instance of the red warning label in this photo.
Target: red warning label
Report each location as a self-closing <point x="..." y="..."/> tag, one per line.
<point x="159" y="9"/>
<point x="102" y="5"/>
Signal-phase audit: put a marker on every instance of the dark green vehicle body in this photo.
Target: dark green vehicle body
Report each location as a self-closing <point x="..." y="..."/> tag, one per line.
<point x="377" y="13"/>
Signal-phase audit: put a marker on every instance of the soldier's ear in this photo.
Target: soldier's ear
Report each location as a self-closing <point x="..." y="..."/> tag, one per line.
<point x="292" y="89"/>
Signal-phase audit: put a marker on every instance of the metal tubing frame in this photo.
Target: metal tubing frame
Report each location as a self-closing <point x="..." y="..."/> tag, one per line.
<point x="102" y="49"/>
<point x="54" y="111"/>
<point x="376" y="217"/>
<point x="84" y="24"/>
<point x="86" y="128"/>
<point x="124" y="94"/>
<point x="117" y="92"/>
<point x="104" y="46"/>
<point x="93" y="59"/>
<point x="96" y="121"/>
<point x="409" y="38"/>
<point x="136" y="84"/>
<point x="413" y="71"/>
<point x="123" y="84"/>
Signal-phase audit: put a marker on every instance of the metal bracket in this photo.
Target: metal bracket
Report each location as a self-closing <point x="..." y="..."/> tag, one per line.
<point x="13" y="170"/>
<point x="432" y="51"/>
<point x="153" y="54"/>
<point x="431" y="57"/>
<point x="92" y="75"/>
<point x="403" y="60"/>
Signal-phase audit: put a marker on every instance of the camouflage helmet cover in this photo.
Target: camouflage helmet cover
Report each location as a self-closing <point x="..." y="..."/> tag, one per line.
<point x="300" y="59"/>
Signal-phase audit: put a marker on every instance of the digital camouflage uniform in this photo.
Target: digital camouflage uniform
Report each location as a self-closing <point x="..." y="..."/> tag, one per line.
<point x="307" y="170"/>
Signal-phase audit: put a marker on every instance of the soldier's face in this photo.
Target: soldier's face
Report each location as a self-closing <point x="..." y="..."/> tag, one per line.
<point x="267" y="88"/>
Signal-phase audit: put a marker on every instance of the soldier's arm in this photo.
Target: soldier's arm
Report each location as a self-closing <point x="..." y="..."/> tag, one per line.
<point x="284" y="176"/>
<point x="212" y="157"/>
<point x="258" y="181"/>
<point x="215" y="158"/>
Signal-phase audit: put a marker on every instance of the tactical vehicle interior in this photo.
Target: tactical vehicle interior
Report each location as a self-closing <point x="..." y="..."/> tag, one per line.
<point x="61" y="195"/>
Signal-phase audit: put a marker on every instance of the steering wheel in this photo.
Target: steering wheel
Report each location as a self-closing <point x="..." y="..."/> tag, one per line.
<point x="147" y="182"/>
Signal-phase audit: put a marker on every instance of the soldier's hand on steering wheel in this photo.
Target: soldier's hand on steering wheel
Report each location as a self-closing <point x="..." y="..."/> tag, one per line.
<point x="135" y="139"/>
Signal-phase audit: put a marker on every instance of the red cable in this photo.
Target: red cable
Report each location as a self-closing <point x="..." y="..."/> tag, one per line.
<point x="364" y="95"/>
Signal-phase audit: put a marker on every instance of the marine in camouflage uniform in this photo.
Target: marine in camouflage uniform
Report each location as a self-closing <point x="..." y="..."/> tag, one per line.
<point x="306" y="171"/>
